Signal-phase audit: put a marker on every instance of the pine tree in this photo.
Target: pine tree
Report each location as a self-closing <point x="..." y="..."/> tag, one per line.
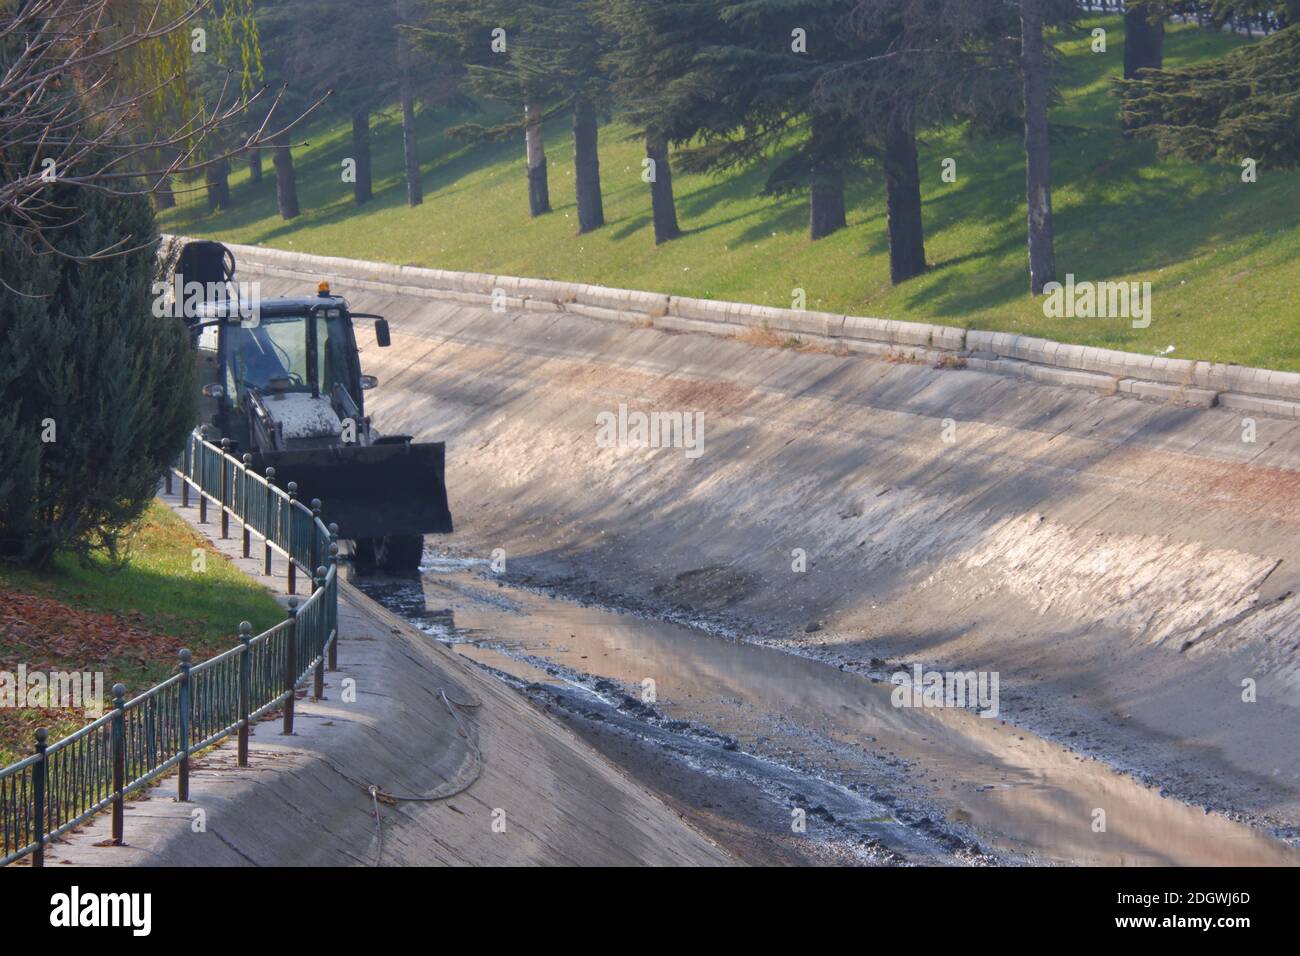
<point x="1245" y="104"/>
<point x="97" y="393"/>
<point x="20" y="451"/>
<point x="660" y="88"/>
<point x="547" y="58"/>
<point x="751" y="88"/>
<point x="567" y="45"/>
<point x="1144" y="35"/>
<point x="353" y="59"/>
<point x="885" y="86"/>
<point x="927" y="63"/>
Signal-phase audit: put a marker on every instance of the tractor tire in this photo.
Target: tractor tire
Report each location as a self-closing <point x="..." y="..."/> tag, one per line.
<point x="400" y="554"/>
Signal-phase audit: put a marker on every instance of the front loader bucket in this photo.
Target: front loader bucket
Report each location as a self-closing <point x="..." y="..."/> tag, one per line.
<point x="369" y="491"/>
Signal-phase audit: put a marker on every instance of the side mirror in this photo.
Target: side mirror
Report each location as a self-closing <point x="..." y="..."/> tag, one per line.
<point x="369" y="381"/>
<point x="215" y="390"/>
<point x="381" y="333"/>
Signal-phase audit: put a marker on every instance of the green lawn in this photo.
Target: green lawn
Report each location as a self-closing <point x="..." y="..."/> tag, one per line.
<point x="127" y="621"/>
<point x="1220" y="254"/>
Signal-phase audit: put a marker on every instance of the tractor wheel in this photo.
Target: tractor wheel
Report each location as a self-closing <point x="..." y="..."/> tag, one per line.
<point x="364" y="557"/>
<point x="400" y="554"/>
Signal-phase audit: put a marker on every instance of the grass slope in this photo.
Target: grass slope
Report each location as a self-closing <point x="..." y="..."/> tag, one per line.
<point x="128" y="622"/>
<point x="1220" y="254"/>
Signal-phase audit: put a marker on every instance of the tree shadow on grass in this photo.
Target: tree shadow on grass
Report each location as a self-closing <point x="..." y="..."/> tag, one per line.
<point x="1112" y="220"/>
<point x="630" y="225"/>
<point x="326" y="199"/>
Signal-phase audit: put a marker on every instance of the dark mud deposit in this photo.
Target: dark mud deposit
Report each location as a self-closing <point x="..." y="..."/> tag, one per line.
<point x="788" y="759"/>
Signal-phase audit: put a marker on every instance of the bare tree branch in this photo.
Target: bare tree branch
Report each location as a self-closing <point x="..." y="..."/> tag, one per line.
<point x="71" y="114"/>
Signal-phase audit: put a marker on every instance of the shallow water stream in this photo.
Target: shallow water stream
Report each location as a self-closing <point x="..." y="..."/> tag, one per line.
<point x="834" y="737"/>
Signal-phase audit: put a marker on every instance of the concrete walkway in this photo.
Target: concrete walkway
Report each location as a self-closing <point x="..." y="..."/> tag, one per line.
<point x="304" y="800"/>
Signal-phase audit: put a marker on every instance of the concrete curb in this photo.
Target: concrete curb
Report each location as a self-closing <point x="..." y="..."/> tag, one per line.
<point x="1180" y="381"/>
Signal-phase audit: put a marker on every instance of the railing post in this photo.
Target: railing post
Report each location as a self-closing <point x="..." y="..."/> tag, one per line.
<point x="185" y="472"/>
<point x="270" y="497"/>
<point x="225" y="489"/>
<point x="245" y="679"/>
<point x="118" y="740"/>
<point x="288" y="536"/>
<point x="316" y="556"/>
<point x="291" y="664"/>
<point x="183" y="778"/>
<point x="334" y="563"/>
<point x="243" y="505"/>
<point x="318" y="682"/>
<point x="203" y="498"/>
<point x="39" y="775"/>
<point x="167" y="479"/>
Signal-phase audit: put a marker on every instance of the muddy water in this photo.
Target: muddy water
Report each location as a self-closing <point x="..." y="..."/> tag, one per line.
<point x="1022" y="795"/>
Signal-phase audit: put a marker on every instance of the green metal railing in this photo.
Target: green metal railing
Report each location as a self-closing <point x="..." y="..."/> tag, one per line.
<point x="64" y="783"/>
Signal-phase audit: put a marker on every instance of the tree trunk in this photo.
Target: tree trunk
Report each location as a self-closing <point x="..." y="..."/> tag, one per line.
<point x="826" y="212"/>
<point x="903" y="203"/>
<point x="1144" y="39"/>
<point x="361" y="189"/>
<point x="163" y="196"/>
<point x="1038" y="166"/>
<point x="218" y="182"/>
<point x="539" y="193"/>
<point x="254" y="165"/>
<point x="414" y="188"/>
<point x="591" y="212"/>
<point x="286" y="185"/>
<point x="662" y="204"/>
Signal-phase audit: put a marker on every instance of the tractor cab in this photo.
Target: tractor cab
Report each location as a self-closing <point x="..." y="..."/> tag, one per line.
<point x="289" y="376"/>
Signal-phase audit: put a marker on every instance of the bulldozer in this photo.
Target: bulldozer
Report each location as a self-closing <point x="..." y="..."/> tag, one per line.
<point x="282" y="381"/>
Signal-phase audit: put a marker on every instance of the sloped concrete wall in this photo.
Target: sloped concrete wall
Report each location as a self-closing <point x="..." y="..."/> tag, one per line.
<point x="1128" y="562"/>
